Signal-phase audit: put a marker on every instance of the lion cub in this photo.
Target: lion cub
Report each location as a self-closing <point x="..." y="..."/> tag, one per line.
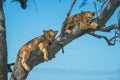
<point x="40" y="42"/>
<point x="84" y="19"/>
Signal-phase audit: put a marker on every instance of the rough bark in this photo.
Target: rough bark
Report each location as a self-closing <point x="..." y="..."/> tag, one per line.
<point x="107" y="12"/>
<point x="3" y="46"/>
<point x="36" y="56"/>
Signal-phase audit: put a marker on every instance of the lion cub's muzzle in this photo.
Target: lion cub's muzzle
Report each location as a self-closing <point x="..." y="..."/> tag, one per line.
<point x="51" y="41"/>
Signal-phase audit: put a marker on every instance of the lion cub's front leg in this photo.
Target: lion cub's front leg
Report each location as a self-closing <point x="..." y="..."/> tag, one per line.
<point x="24" y="59"/>
<point x="42" y="47"/>
<point x="84" y="26"/>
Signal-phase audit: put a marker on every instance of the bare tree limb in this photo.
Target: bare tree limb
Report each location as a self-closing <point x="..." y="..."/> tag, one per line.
<point x="95" y="8"/>
<point x="109" y="28"/>
<point x="101" y="7"/>
<point x="108" y="11"/>
<point x="83" y="3"/>
<point x="9" y="67"/>
<point x="35" y="5"/>
<point x="109" y="41"/>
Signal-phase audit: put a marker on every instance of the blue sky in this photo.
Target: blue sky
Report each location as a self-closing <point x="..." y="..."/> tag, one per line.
<point x="85" y="55"/>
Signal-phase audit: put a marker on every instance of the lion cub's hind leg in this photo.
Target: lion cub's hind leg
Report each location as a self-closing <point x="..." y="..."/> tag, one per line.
<point x="24" y="59"/>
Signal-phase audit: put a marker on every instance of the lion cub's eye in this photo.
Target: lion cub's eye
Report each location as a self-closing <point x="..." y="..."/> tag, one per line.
<point x="50" y="35"/>
<point x="85" y="17"/>
<point x="89" y="17"/>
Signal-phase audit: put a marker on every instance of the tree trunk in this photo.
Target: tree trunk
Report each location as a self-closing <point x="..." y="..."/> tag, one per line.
<point x="3" y="46"/>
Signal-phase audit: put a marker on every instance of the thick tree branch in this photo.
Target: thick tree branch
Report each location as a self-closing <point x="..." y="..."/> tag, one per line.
<point x="107" y="12"/>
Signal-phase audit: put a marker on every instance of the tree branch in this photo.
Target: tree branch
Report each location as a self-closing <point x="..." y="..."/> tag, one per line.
<point x="9" y="67"/>
<point x="107" y="12"/>
<point x="109" y="41"/>
<point x="109" y="28"/>
<point x="103" y="4"/>
<point x="95" y="8"/>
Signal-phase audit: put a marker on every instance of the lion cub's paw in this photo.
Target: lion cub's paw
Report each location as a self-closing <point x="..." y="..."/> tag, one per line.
<point x="68" y="31"/>
<point x="94" y="25"/>
<point x="45" y="58"/>
<point x="27" y="68"/>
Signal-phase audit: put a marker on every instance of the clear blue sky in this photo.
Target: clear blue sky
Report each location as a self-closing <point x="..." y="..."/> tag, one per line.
<point x="84" y="56"/>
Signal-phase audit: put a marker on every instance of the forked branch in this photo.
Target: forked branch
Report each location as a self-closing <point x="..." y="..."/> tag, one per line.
<point x="110" y="41"/>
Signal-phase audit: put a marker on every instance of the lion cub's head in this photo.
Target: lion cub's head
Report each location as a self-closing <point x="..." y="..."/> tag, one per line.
<point x="50" y="35"/>
<point x="88" y="16"/>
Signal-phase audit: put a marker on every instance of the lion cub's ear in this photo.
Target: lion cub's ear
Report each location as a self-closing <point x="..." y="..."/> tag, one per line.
<point x="93" y="13"/>
<point x="82" y="12"/>
<point x="44" y="31"/>
<point x="56" y="32"/>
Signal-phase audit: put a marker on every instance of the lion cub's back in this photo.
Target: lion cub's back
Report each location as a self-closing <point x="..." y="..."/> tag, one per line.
<point x="31" y="45"/>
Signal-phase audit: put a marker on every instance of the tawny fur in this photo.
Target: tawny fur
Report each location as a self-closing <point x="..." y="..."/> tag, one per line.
<point x="40" y="42"/>
<point x="84" y="19"/>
